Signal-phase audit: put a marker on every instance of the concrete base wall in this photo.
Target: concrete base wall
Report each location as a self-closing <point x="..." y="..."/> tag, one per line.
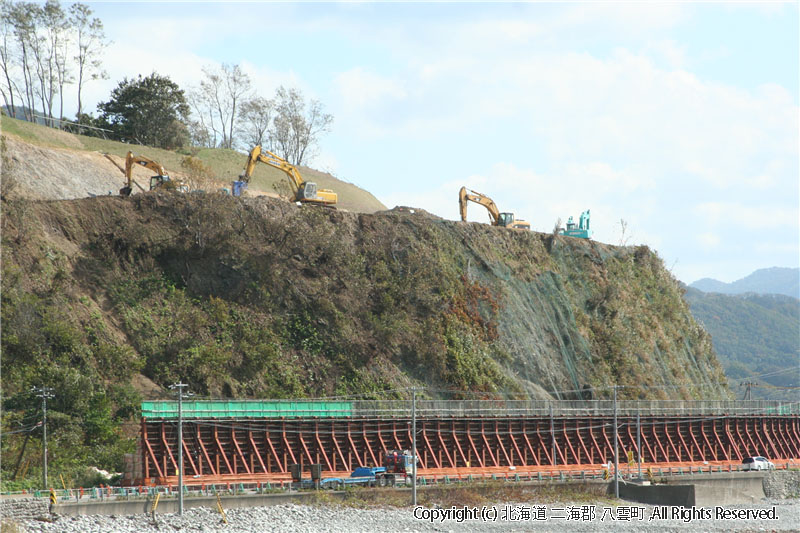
<point x="679" y="495"/>
<point x="701" y="490"/>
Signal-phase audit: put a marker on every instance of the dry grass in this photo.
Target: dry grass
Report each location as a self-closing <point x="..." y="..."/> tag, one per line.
<point x="473" y="494"/>
<point x="223" y="164"/>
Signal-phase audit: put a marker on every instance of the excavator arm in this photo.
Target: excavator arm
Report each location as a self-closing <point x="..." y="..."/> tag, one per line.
<point x="303" y="191"/>
<point x="466" y="195"/>
<point x="132" y="159"/>
<point x="506" y="220"/>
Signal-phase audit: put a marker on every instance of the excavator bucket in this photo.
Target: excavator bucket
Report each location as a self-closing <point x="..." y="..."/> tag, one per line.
<point x="125" y="191"/>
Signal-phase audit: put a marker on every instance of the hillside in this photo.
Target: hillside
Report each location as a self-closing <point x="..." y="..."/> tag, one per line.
<point x="775" y="280"/>
<point x="753" y="335"/>
<point x="50" y="164"/>
<point x="109" y="300"/>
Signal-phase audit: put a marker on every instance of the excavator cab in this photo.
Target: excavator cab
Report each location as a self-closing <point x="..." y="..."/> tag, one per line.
<point x="308" y="191"/>
<point x="164" y="182"/>
<point x="506" y="220"/>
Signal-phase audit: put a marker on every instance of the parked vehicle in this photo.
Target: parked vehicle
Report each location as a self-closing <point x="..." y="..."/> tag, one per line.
<point x="757" y="463"/>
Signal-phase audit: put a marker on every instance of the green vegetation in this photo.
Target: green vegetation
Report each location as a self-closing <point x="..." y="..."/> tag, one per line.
<point x="150" y="111"/>
<point x="753" y="335"/>
<point x="261" y="298"/>
<point x="223" y="164"/>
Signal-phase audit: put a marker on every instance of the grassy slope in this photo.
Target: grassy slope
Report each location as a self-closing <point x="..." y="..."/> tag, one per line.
<point x="226" y="164"/>
<point x="753" y="335"/>
<point x="261" y="298"/>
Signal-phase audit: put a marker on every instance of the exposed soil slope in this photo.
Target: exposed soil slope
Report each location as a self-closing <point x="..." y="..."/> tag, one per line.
<point x="49" y="164"/>
<point x="259" y="297"/>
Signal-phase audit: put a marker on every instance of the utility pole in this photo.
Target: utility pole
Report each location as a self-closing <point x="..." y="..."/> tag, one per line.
<point x="552" y="436"/>
<point x="44" y="393"/>
<point x="639" y="439"/>
<point x="180" y="386"/>
<point x="414" y="446"/>
<point x="747" y="394"/>
<point x="616" y="448"/>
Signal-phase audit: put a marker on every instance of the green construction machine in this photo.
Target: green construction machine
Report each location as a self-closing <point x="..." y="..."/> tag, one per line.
<point x="580" y="230"/>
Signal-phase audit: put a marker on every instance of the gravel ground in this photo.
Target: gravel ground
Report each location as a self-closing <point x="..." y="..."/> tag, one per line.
<point x="306" y="519"/>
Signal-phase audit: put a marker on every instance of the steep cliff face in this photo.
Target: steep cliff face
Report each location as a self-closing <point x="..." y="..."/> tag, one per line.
<point x="261" y="298"/>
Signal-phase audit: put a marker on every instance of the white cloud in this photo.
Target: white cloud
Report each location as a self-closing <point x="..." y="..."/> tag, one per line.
<point x="708" y="240"/>
<point x="738" y="215"/>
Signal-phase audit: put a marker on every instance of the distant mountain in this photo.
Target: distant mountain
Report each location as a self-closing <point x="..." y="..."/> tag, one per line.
<point x="753" y="335"/>
<point x="775" y="280"/>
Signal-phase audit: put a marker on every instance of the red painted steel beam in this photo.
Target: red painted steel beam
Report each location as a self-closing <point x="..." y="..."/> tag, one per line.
<point x="500" y="442"/>
<point x="488" y="446"/>
<point x="643" y="425"/>
<point x="205" y="453"/>
<point x="150" y="454"/>
<point x="336" y="445"/>
<point x="719" y="441"/>
<point x="168" y="449"/>
<point x="528" y="446"/>
<point x="697" y="446"/>
<point x="600" y="455"/>
<point x="514" y="444"/>
<point x="568" y="440"/>
<point x="543" y="446"/>
<point x="429" y="447"/>
<point x="769" y="439"/>
<point x="754" y="424"/>
<point x="677" y="426"/>
<point x="450" y="461"/>
<point x="474" y="448"/>
<point x="268" y="438"/>
<point x="368" y="446"/>
<point x="188" y="455"/>
<point x="523" y="443"/>
<point x="677" y="456"/>
<point x="255" y="451"/>
<point x="609" y="447"/>
<point x="457" y="442"/>
<point x="795" y="427"/>
<point x="731" y="440"/>
<point x="239" y="452"/>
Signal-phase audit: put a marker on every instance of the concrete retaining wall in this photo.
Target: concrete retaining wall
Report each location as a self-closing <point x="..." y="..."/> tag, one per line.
<point x="680" y="495"/>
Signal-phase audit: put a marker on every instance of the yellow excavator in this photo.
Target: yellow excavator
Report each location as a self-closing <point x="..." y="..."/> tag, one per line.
<point x="159" y="181"/>
<point x="505" y="220"/>
<point x="303" y="191"/>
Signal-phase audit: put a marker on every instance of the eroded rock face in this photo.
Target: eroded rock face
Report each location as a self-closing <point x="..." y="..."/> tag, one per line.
<point x="262" y="298"/>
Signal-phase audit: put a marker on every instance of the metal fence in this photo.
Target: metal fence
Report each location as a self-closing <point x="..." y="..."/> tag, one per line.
<point x="462" y="408"/>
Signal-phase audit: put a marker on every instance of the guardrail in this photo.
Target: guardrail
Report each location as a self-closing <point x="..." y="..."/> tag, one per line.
<point x="104" y="493"/>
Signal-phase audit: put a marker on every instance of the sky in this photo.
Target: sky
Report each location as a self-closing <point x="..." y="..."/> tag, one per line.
<point x="677" y="121"/>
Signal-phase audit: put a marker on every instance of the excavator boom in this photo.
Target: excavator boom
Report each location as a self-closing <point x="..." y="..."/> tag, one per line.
<point x="506" y="220"/>
<point x="161" y="179"/>
<point x="303" y="191"/>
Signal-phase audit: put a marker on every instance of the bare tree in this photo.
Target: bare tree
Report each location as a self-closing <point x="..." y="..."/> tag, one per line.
<point x="6" y="62"/>
<point x="217" y="99"/>
<point x="58" y="28"/>
<point x="48" y="30"/>
<point x="296" y="128"/>
<point x="23" y="19"/>
<point x="256" y="116"/>
<point x="91" y="41"/>
<point x="623" y="238"/>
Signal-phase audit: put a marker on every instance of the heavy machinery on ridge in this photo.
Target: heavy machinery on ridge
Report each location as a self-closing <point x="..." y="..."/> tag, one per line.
<point x="580" y="230"/>
<point x="160" y="180"/>
<point x="505" y="220"/>
<point x="303" y="191"/>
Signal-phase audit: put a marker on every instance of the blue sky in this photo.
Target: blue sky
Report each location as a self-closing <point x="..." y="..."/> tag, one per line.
<point x="679" y="118"/>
